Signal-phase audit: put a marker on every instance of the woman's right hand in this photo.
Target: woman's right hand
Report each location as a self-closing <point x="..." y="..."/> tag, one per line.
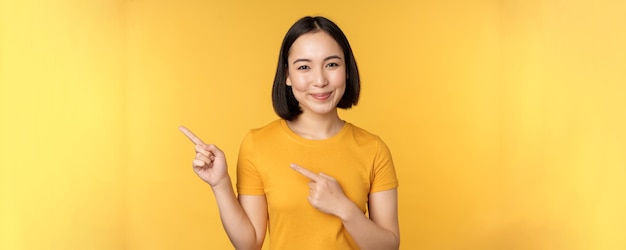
<point x="210" y="162"/>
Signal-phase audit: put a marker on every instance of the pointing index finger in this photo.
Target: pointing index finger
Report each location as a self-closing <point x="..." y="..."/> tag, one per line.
<point x="307" y="173"/>
<point x="193" y="138"/>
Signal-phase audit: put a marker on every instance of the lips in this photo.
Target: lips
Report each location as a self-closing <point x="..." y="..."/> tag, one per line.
<point x="321" y="96"/>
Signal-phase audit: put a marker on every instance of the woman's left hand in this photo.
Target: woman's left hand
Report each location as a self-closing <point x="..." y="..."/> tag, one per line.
<point x="325" y="193"/>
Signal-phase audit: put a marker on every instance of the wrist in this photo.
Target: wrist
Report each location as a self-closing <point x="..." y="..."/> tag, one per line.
<point x="348" y="211"/>
<point x="223" y="184"/>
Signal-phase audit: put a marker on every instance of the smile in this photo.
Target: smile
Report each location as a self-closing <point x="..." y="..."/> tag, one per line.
<point x="321" y="96"/>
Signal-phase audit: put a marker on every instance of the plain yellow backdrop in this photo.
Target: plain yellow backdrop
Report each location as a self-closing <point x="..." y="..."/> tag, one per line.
<point x="506" y="119"/>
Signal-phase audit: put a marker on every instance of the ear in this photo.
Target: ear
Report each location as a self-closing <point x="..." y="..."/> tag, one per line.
<point x="287" y="80"/>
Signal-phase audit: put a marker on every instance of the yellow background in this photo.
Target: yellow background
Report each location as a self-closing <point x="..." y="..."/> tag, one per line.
<point x="507" y="119"/>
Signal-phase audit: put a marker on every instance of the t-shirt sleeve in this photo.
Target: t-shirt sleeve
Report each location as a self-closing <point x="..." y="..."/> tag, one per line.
<point x="249" y="180"/>
<point x="383" y="173"/>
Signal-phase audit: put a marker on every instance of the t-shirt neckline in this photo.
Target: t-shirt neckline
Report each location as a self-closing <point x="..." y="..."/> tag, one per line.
<point x="293" y="135"/>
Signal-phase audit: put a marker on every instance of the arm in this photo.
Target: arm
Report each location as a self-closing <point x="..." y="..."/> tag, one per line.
<point x="381" y="230"/>
<point x="245" y="220"/>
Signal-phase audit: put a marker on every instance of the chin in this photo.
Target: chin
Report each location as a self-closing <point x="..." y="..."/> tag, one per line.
<point x="324" y="110"/>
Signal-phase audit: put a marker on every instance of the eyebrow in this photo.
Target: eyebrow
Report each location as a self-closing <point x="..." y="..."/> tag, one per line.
<point x="309" y="60"/>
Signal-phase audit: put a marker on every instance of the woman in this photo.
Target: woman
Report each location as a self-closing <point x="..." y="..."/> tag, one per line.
<point x="310" y="175"/>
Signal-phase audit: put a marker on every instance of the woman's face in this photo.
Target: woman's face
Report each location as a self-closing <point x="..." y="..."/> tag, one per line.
<point x="316" y="73"/>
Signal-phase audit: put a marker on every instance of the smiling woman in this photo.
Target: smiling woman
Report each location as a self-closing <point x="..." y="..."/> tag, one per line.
<point x="505" y="118"/>
<point x="348" y="170"/>
<point x="317" y="74"/>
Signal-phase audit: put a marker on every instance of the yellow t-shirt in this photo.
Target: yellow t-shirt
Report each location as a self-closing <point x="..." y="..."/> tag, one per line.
<point x="357" y="159"/>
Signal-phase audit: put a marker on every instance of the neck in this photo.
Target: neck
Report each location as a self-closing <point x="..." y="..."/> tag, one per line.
<point x="316" y="127"/>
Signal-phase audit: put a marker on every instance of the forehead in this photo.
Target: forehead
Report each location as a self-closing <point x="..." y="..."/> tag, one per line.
<point x="315" y="44"/>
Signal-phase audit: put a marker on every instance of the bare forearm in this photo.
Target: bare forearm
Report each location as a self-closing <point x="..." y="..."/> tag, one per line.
<point x="234" y="219"/>
<point x="366" y="233"/>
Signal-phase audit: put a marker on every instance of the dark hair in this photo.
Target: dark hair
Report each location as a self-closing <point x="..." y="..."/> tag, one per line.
<point x="283" y="100"/>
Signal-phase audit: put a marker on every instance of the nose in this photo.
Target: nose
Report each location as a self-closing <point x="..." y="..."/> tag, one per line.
<point x="320" y="79"/>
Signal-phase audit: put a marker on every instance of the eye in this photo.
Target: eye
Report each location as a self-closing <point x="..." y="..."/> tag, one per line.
<point x="303" y="67"/>
<point x="332" y="65"/>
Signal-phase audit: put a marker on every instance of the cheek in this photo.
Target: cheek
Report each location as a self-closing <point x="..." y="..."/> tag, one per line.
<point x="298" y="83"/>
<point x="339" y="79"/>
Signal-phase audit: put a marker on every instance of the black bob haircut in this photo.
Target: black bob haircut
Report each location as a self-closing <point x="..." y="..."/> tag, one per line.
<point x="283" y="100"/>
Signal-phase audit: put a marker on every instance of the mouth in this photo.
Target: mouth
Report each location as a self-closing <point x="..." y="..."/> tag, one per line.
<point x="321" y="96"/>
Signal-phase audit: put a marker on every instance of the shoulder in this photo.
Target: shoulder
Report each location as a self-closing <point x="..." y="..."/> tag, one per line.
<point x="358" y="131"/>
<point x="364" y="137"/>
<point x="257" y="138"/>
<point x="267" y="131"/>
